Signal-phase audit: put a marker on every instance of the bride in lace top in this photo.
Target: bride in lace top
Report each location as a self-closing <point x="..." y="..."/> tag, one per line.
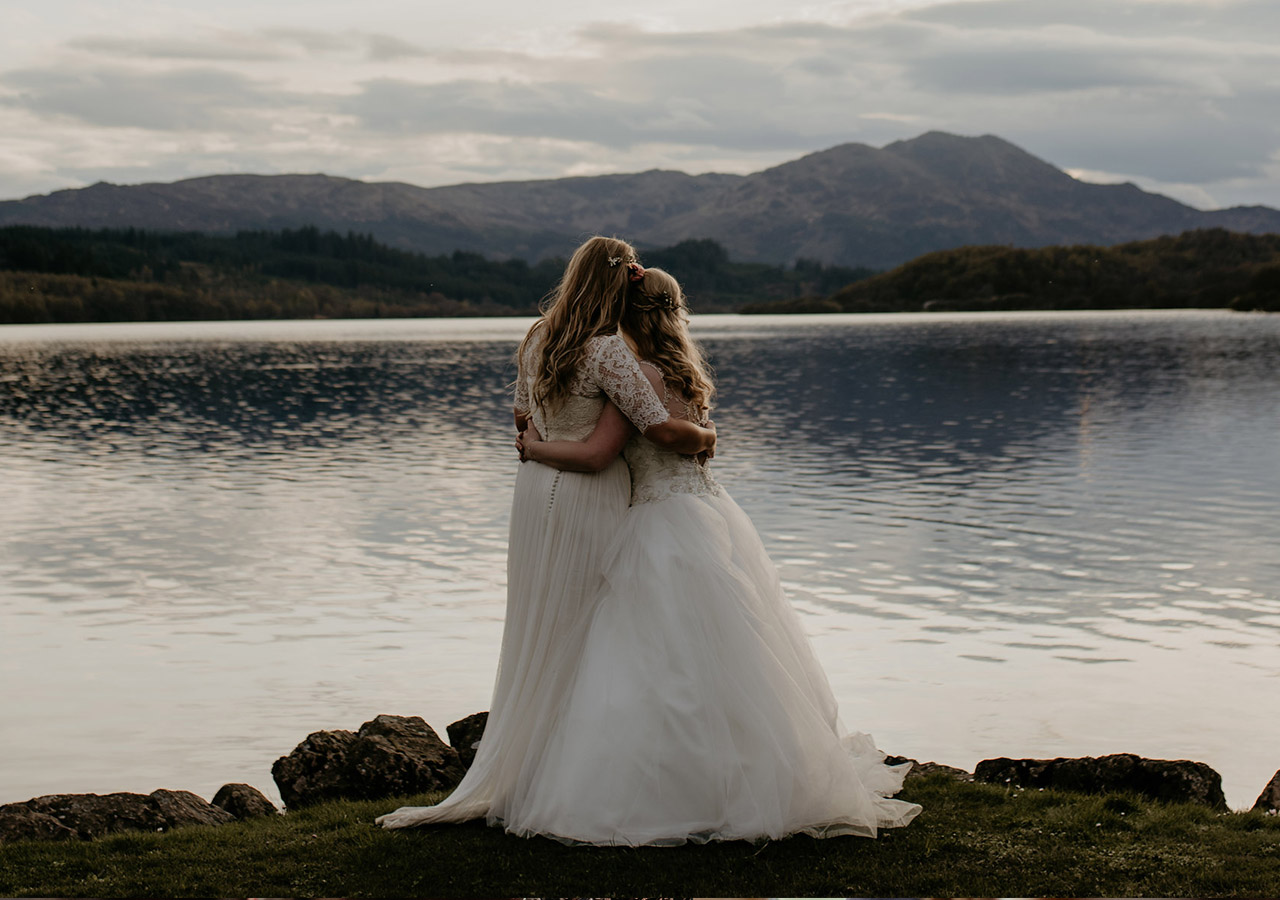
<point x="571" y="364"/>
<point x="697" y="710"/>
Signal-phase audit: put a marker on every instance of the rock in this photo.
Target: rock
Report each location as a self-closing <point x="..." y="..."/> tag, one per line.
<point x="396" y="755"/>
<point x="1173" y="780"/>
<point x="19" y="822"/>
<point x="315" y="768"/>
<point x="89" y="816"/>
<point x="389" y="756"/>
<point x="243" y="801"/>
<point x="1269" y="799"/>
<point x="185" y="808"/>
<point x="920" y="770"/>
<point x="465" y="732"/>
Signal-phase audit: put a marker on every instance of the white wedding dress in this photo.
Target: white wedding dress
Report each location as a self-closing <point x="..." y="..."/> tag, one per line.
<point x="682" y="701"/>
<point x="562" y="524"/>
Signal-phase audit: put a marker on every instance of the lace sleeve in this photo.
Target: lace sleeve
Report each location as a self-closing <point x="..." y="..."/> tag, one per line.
<point x="522" y="391"/>
<point x="610" y="366"/>
<point x="524" y="366"/>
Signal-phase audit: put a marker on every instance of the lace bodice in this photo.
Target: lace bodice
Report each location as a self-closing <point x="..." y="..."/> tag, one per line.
<point x="608" y="370"/>
<point x="657" y="474"/>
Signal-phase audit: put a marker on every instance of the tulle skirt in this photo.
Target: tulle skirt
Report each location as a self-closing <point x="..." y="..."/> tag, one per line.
<point x="562" y="524"/>
<point x="698" y="710"/>
<point x="683" y="702"/>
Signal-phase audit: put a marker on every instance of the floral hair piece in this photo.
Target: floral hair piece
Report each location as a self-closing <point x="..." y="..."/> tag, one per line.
<point x="613" y="261"/>
<point x="663" y="300"/>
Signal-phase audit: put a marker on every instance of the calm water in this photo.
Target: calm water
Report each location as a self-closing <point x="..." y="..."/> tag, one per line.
<point x="1008" y="534"/>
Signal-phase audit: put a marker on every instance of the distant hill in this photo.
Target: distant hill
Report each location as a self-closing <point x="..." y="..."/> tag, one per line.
<point x="1197" y="269"/>
<point x="851" y="205"/>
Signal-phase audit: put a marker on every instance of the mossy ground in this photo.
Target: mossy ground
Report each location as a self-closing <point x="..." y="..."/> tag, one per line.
<point x="971" y="840"/>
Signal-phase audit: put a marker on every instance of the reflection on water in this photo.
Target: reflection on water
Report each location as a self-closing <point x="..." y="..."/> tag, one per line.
<point x="1019" y="534"/>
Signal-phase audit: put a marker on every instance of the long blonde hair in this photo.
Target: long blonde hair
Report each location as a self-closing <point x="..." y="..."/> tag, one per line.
<point x="657" y="319"/>
<point x="586" y="303"/>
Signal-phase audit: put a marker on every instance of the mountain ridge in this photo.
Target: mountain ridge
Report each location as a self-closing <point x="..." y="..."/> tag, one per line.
<point x="852" y="204"/>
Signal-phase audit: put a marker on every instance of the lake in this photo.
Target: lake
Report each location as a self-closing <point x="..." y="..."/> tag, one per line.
<point x="1008" y="534"/>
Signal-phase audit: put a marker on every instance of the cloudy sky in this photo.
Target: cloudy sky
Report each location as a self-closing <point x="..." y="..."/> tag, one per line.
<point x="1180" y="96"/>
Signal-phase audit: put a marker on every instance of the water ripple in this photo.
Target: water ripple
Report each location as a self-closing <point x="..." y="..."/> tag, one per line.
<point x="295" y="525"/>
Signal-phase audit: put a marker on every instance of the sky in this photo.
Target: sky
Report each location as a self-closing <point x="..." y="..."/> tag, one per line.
<point x="1178" y="96"/>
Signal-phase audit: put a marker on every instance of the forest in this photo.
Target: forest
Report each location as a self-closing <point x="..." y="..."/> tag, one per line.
<point x="1210" y="268"/>
<point x="107" y="275"/>
<point x="110" y="275"/>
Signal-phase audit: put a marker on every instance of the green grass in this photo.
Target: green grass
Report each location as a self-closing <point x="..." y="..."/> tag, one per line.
<point x="974" y="840"/>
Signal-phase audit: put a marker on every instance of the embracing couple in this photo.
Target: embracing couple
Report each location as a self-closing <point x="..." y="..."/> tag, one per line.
<point x="654" y="686"/>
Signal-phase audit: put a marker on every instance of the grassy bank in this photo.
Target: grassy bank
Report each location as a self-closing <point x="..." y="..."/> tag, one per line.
<point x="975" y="840"/>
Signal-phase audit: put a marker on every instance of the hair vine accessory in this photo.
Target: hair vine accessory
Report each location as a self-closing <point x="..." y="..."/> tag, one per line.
<point x="613" y="261"/>
<point x="663" y="300"/>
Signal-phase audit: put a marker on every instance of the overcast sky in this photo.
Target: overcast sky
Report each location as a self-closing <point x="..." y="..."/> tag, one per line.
<point x="1180" y="96"/>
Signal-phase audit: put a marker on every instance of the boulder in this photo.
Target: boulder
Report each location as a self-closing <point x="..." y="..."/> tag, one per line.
<point x="389" y="756"/>
<point x="243" y="801"/>
<point x="921" y="769"/>
<point x="1269" y="800"/>
<point x="315" y="768"/>
<point x="19" y="822"/>
<point x="88" y="816"/>
<point x="185" y="808"/>
<point x="1172" y="780"/>
<point x="466" y="732"/>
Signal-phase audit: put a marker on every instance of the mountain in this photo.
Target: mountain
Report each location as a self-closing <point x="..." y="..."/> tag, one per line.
<point x="850" y="205"/>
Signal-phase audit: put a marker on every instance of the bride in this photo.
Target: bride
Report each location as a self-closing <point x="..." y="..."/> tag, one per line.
<point x="570" y="363"/>
<point x="698" y="710"/>
<point x="693" y="708"/>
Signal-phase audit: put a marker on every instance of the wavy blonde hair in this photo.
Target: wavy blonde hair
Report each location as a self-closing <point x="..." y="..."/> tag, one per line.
<point x="586" y="303"/>
<point x="657" y="319"/>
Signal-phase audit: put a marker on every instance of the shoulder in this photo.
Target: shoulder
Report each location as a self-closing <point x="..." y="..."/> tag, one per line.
<point x="606" y="342"/>
<point x="535" y="334"/>
<point x="606" y="348"/>
<point x="531" y="343"/>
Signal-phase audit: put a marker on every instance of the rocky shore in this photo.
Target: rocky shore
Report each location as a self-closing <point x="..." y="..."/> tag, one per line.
<point x="392" y="756"/>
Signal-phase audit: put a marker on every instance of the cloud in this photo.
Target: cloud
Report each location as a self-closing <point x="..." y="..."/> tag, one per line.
<point x="224" y="48"/>
<point x="1231" y="20"/>
<point x="1175" y="92"/>
<point x="176" y="100"/>
<point x="266" y="45"/>
<point x="1003" y="71"/>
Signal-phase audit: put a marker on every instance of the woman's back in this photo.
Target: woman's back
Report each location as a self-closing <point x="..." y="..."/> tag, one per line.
<point x="657" y="474"/>
<point x="607" y="371"/>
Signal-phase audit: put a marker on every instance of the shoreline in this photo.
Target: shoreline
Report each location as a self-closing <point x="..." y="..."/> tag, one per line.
<point x="405" y="756"/>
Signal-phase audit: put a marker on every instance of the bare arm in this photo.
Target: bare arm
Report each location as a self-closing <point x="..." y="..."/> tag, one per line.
<point x="592" y="455"/>
<point x="682" y="436"/>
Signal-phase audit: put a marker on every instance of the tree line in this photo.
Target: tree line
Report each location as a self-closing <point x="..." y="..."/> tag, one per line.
<point x="1210" y="268"/>
<point x="131" y="274"/>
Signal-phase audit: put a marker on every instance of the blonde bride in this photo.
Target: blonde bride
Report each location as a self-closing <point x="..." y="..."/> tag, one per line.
<point x="571" y="363"/>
